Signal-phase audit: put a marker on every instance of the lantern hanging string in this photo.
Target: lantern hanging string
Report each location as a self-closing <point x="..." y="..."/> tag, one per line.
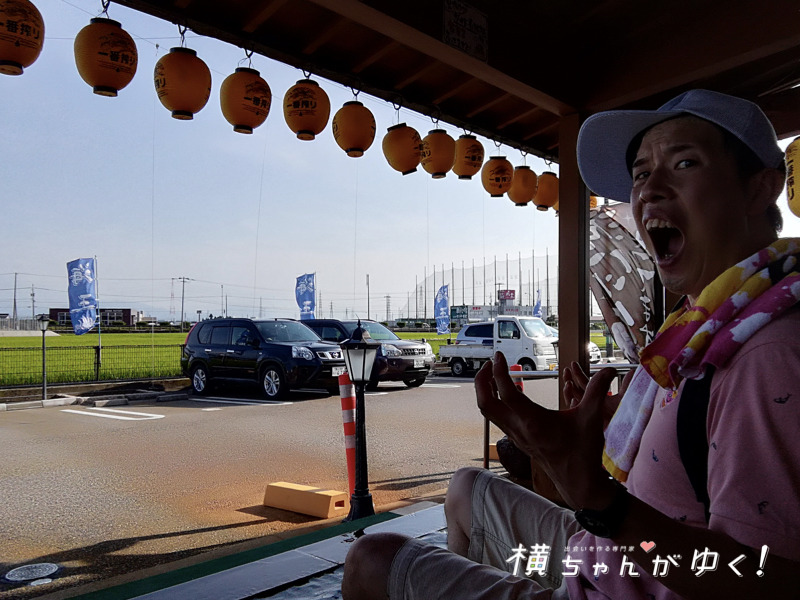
<point x="306" y="74"/>
<point x="438" y="113"/>
<point x="397" y="106"/>
<point x="248" y="56"/>
<point x="182" y="32"/>
<point x="106" y="4"/>
<point x="356" y="91"/>
<point x="497" y="144"/>
<point x="524" y="157"/>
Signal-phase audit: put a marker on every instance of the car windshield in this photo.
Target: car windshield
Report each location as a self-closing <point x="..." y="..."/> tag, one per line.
<point x="535" y="328"/>
<point x="376" y="330"/>
<point x="286" y="331"/>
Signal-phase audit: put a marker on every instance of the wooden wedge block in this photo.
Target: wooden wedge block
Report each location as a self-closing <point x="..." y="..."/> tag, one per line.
<point x="493" y="452"/>
<point x="306" y="499"/>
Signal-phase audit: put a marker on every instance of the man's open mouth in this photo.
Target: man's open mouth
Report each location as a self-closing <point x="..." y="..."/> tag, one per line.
<point x="666" y="238"/>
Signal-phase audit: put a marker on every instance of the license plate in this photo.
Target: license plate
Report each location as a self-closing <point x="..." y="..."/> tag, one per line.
<point x="419" y="363"/>
<point x="338" y="371"/>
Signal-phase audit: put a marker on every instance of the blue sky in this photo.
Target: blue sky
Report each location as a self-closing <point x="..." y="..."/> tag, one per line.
<point x="155" y="198"/>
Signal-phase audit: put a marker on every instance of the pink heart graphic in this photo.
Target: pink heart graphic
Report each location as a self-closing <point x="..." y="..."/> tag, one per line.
<point x="647" y="546"/>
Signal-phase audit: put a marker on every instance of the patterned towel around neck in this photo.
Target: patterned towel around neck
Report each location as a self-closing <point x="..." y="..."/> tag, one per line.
<point x="726" y="314"/>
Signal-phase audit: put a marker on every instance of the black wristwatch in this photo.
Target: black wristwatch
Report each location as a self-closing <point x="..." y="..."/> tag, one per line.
<point x="606" y="523"/>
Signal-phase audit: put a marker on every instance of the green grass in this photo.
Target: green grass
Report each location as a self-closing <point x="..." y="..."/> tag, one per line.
<point x="90" y="339"/>
<point x="431" y="337"/>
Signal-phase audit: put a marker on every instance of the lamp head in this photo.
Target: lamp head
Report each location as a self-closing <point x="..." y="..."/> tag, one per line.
<point x="43" y="321"/>
<point x="359" y="354"/>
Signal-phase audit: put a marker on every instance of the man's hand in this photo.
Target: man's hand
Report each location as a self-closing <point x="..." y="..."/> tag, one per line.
<point x="568" y="444"/>
<point x="575" y="382"/>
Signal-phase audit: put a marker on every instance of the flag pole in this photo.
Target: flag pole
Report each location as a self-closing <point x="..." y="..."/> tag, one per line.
<point x="99" y="320"/>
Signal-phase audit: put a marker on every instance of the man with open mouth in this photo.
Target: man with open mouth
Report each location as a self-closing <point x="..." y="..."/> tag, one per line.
<point x="692" y="489"/>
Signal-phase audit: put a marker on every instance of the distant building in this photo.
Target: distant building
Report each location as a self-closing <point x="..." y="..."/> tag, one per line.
<point x="107" y="316"/>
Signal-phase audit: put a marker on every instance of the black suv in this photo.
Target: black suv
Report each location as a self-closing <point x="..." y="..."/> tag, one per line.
<point x="408" y="361"/>
<point x="278" y="354"/>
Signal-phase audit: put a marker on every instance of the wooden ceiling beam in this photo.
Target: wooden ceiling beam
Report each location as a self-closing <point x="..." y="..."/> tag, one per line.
<point x="429" y="65"/>
<point x="373" y="57"/>
<point x="454" y="90"/>
<point x="522" y="115"/>
<point x="540" y="131"/>
<point x="697" y="48"/>
<point x="369" y="17"/>
<point x="261" y="15"/>
<point x="325" y="36"/>
<point x="781" y="108"/>
<point x="182" y="3"/>
<point x="488" y="105"/>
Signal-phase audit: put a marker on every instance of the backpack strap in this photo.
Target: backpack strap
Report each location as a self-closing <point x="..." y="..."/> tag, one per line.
<point x="692" y="438"/>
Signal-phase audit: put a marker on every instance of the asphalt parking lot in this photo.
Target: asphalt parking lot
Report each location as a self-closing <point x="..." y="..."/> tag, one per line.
<point x="102" y="491"/>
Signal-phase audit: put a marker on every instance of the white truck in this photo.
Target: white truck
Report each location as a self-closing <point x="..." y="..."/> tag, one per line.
<point x="526" y="341"/>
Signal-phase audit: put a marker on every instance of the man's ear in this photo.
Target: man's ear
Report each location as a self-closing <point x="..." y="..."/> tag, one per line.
<point x="764" y="187"/>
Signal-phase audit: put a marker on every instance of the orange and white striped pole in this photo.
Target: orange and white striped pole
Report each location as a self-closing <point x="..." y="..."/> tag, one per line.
<point x="518" y="381"/>
<point x="347" y="391"/>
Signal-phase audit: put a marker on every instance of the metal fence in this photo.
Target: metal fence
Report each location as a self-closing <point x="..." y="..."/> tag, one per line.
<point x="23" y="366"/>
<point x="19" y="325"/>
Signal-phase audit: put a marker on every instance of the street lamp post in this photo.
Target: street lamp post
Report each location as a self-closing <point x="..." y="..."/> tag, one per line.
<point x="44" y="321"/>
<point x="359" y="354"/>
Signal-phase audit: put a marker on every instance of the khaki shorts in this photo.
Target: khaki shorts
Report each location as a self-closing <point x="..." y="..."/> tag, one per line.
<point x="504" y="515"/>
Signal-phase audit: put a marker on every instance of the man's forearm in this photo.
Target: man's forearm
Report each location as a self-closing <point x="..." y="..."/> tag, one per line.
<point x="673" y="538"/>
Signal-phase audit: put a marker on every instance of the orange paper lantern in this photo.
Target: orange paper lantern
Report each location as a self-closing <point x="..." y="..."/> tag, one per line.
<point x="245" y="99"/>
<point x="183" y="83"/>
<point x="497" y="175"/>
<point x="106" y="56"/>
<point x="402" y="148"/>
<point x="306" y="108"/>
<point x="469" y="157"/>
<point x="438" y="153"/>
<point x="592" y="202"/>
<point x="354" y="128"/>
<point x="523" y="186"/>
<point x="21" y="36"/>
<point x="547" y="192"/>
<point x="792" y="164"/>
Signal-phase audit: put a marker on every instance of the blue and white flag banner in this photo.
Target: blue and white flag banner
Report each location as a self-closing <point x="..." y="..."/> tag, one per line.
<point x="442" y="310"/>
<point x="82" y="291"/>
<point x="537" y="309"/>
<point x="305" y="293"/>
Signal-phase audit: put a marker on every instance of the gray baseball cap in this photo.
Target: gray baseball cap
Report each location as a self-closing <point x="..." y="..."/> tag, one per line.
<point x="604" y="138"/>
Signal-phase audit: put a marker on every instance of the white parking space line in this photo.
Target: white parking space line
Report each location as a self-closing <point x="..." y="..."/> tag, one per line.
<point x="440" y="385"/>
<point x="376" y="393"/>
<point x="119" y="414"/>
<point x="209" y="409"/>
<point x="213" y="400"/>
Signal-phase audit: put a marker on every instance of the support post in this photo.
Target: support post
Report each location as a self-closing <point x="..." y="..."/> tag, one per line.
<point x="573" y="254"/>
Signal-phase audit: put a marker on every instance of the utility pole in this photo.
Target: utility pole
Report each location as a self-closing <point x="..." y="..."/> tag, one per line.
<point x="33" y="303"/>
<point x="388" y="307"/>
<point x="424" y="298"/>
<point x="331" y="314"/>
<point x="183" y="281"/>
<point x="222" y="299"/>
<point x="463" y="289"/>
<point x="416" y="297"/>
<point x="473" y="281"/>
<point x="519" y="261"/>
<point x="547" y="277"/>
<point x="14" y="311"/>
<point x="260" y="308"/>
<point x="368" y="295"/>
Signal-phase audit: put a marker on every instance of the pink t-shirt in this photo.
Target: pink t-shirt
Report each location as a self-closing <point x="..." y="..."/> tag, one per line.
<point x="753" y="429"/>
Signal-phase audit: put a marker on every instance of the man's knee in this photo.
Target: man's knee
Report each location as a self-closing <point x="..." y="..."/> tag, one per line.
<point x="458" y="501"/>
<point x="366" y="569"/>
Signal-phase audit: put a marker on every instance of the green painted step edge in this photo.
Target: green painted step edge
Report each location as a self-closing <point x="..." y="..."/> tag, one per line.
<point x="171" y="578"/>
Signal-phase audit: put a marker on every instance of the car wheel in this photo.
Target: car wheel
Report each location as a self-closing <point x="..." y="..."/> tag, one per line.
<point x="200" y="380"/>
<point x="415" y="382"/>
<point x="527" y="365"/>
<point x="333" y="391"/>
<point x="457" y="367"/>
<point x="273" y="383"/>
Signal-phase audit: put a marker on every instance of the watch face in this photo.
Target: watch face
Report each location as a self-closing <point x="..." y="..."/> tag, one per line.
<point x="592" y="524"/>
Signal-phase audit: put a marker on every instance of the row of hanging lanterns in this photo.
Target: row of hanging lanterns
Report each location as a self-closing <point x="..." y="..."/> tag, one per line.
<point x="106" y="58"/>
